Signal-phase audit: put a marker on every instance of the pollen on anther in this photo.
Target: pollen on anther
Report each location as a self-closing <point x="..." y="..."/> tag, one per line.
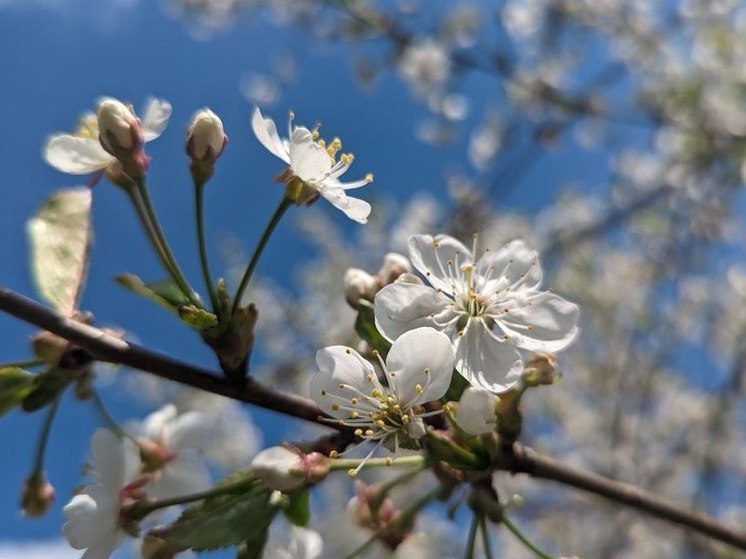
<point x="418" y="388"/>
<point x="460" y="334"/>
<point x="426" y="370"/>
<point x="369" y="178"/>
<point x="335" y="407"/>
<point x="358" y="432"/>
<point x="369" y="432"/>
<point x="354" y="401"/>
<point x="348" y="351"/>
<point x="352" y="473"/>
<point x="388" y="461"/>
<point x="354" y="415"/>
<point x="334" y="454"/>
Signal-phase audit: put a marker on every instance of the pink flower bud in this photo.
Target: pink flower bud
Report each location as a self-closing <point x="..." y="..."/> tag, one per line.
<point x="394" y="265"/>
<point x="287" y="469"/>
<point x="117" y="126"/>
<point x="359" y="284"/>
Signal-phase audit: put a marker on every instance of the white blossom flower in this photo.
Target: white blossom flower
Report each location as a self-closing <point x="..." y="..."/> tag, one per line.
<point x="303" y="544"/>
<point x="417" y="369"/>
<point x="315" y="163"/>
<point x="171" y="445"/>
<point x="425" y="64"/>
<point x="487" y="307"/>
<point x="82" y="153"/>
<point x="93" y="516"/>
<point x="476" y="413"/>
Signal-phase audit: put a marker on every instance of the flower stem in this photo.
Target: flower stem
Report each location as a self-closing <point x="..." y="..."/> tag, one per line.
<point x="146" y="509"/>
<point x="523" y="539"/>
<point x="199" y="190"/>
<point x="462" y="456"/>
<point x="485" y="537"/>
<point x="285" y="203"/>
<point x="106" y="416"/>
<point x="141" y="201"/>
<point x="471" y="540"/>
<point x="46" y="428"/>
<point x="25" y="364"/>
<point x="347" y="463"/>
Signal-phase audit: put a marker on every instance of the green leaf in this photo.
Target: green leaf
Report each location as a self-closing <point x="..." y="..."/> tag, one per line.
<point x="298" y="510"/>
<point x="197" y="318"/>
<point x="253" y="547"/>
<point x="365" y="326"/>
<point x="46" y="389"/>
<point x="166" y="293"/>
<point x="15" y="384"/>
<point x="226" y="520"/>
<point x="60" y="235"/>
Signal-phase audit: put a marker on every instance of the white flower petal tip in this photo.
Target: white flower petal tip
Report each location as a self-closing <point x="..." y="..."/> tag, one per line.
<point x="315" y="164"/>
<point x="205" y="136"/>
<point x="417" y="370"/>
<point x="489" y="305"/>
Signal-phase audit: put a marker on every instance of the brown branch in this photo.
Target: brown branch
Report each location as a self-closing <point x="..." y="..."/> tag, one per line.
<point x="518" y="459"/>
<point x="525" y="460"/>
<point x="105" y="347"/>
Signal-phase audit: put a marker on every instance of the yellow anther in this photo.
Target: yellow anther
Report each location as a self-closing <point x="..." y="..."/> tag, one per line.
<point x="379" y="422"/>
<point x="427" y="370"/>
<point x="335" y="407"/>
<point x="405" y="419"/>
<point x="418" y="388"/>
<point x="369" y="178"/>
<point x="376" y="352"/>
<point x="369" y="433"/>
<point x="320" y="141"/>
<point x="323" y="392"/>
<point x="334" y="454"/>
<point x="358" y="432"/>
<point x="397" y="407"/>
<point x="354" y="401"/>
<point x="354" y="415"/>
<point x="348" y="351"/>
<point x="377" y="393"/>
<point x="352" y="473"/>
<point x="388" y="461"/>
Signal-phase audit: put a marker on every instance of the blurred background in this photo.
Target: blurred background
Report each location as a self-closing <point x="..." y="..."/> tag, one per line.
<point x="611" y="134"/>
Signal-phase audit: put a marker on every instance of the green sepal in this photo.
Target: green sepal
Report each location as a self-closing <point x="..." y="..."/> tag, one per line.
<point x="456" y="388"/>
<point x="47" y="387"/>
<point x="298" y="511"/>
<point x="197" y="318"/>
<point x="15" y="385"/>
<point x="365" y="326"/>
<point x="166" y="293"/>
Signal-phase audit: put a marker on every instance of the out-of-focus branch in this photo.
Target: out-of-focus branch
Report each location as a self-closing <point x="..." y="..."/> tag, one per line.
<point x="519" y="459"/>
<point x="105" y="347"/>
<point x="525" y="460"/>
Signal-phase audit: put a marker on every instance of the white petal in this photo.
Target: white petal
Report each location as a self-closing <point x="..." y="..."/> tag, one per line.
<point x="485" y="361"/>
<point x="155" y="118"/>
<point x="183" y="476"/>
<point x="540" y="321"/>
<point x="354" y="208"/>
<point x="116" y="460"/>
<point x="154" y="425"/>
<point x="76" y="155"/>
<point x="308" y="159"/>
<point x="308" y="543"/>
<point x="81" y="528"/>
<point x="422" y="356"/>
<point x="403" y="306"/>
<point x="339" y="365"/>
<point x="103" y="548"/>
<point x="431" y="256"/>
<point x="266" y="132"/>
<point x="189" y="431"/>
<point x="476" y="412"/>
<point x="513" y="263"/>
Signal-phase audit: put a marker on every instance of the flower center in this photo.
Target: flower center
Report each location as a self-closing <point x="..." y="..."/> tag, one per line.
<point x="87" y="127"/>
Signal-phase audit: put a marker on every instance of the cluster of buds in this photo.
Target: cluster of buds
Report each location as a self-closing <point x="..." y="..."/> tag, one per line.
<point x="287" y="469"/>
<point x="360" y="285"/>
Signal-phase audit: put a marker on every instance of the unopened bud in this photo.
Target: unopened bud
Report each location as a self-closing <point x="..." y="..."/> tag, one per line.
<point x="38" y="495"/>
<point x="540" y="369"/>
<point x="394" y="265"/>
<point x="205" y="136"/>
<point x="49" y="347"/>
<point x="117" y="126"/>
<point x="477" y="411"/>
<point x="287" y="469"/>
<point x="359" y="284"/>
<point x="120" y="133"/>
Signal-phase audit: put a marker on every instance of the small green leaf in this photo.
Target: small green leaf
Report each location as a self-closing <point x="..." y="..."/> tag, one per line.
<point x="60" y="235"/>
<point x="226" y="520"/>
<point x="46" y="389"/>
<point x="197" y="318"/>
<point x="298" y="510"/>
<point x="15" y="384"/>
<point x="365" y="326"/>
<point x="166" y="293"/>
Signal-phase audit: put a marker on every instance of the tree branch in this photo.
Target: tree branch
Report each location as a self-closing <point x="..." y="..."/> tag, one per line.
<point x="105" y="347"/>
<point x="517" y="459"/>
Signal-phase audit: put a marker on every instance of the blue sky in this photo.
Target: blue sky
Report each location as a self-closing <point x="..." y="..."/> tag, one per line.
<point x="59" y="57"/>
